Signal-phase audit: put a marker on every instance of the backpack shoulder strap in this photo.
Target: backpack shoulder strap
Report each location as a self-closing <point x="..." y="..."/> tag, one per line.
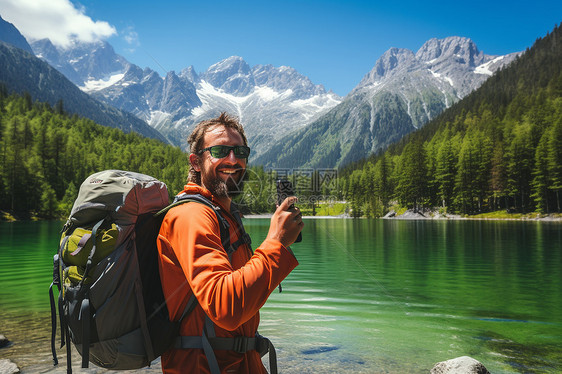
<point x="223" y="226"/>
<point x="243" y="238"/>
<point x="223" y="223"/>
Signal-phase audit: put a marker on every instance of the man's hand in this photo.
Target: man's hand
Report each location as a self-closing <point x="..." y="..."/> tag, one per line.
<point x="286" y="223"/>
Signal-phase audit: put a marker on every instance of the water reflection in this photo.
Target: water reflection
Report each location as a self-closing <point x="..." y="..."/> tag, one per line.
<point x="368" y="296"/>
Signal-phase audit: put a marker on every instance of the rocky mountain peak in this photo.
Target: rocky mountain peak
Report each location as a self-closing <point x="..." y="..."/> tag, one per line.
<point x="286" y="78"/>
<point x="190" y="74"/>
<point x="462" y="50"/>
<point x="388" y="64"/>
<point x="82" y="62"/>
<point x="233" y="75"/>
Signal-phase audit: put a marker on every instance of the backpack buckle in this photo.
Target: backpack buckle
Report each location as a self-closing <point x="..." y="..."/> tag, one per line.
<point x="241" y="344"/>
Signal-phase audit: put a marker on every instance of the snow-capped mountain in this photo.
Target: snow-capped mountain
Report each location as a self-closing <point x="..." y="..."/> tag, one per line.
<point x="402" y="92"/>
<point x="282" y="110"/>
<point x="87" y="65"/>
<point x="270" y="101"/>
<point x="440" y="73"/>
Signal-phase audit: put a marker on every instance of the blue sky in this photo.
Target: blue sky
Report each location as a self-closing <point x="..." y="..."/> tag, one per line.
<point x="334" y="43"/>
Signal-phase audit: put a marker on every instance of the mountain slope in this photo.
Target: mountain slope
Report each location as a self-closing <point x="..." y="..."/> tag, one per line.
<point x="11" y="35"/>
<point x="87" y="65"/>
<point x="402" y="92"/>
<point x="23" y="72"/>
<point x="499" y="148"/>
<point x="270" y="101"/>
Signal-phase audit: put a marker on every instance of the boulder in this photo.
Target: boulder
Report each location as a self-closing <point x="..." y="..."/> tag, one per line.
<point x="459" y="365"/>
<point x="4" y="342"/>
<point x="412" y="214"/>
<point x="390" y="214"/>
<point x="8" y="367"/>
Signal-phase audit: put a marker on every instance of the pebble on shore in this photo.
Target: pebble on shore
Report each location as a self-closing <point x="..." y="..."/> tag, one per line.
<point x="8" y="367"/>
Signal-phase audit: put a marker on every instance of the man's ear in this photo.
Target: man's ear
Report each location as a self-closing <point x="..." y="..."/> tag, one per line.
<point x="194" y="160"/>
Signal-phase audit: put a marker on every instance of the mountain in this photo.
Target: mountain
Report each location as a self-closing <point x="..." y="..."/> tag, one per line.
<point x="11" y="35"/>
<point x="497" y="149"/>
<point x="23" y="72"/>
<point x="87" y="65"/>
<point x="270" y="101"/>
<point x="402" y="92"/>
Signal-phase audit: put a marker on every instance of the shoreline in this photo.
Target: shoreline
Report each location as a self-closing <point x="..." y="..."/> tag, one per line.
<point x="417" y="216"/>
<point x="408" y="215"/>
<point x="434" y="215"/>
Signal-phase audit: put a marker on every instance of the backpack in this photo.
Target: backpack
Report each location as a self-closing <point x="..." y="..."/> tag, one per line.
<point x="110" y="300"/>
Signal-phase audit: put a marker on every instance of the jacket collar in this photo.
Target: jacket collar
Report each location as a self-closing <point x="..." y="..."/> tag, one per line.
<point x="193" y="189"/>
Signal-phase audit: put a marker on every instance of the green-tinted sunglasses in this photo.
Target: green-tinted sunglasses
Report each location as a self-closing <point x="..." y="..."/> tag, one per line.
<point x="221" y="151"/>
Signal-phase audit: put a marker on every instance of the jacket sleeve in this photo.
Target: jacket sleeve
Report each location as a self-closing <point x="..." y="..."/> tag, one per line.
<point x="228" y="296"/>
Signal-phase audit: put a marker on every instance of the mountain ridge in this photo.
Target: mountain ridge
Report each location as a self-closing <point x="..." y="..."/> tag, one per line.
<point x="280" y="97"/>
<point x="23" y="72"/>
<point x="11" y="35"/>
<point x="402" y="92"/>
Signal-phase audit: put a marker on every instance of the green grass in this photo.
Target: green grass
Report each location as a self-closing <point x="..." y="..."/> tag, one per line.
<point x="502" y="214"/>
<point x="325" y="209"/>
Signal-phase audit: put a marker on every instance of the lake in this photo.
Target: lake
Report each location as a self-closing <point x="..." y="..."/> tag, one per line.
<point x="369" y="296"/>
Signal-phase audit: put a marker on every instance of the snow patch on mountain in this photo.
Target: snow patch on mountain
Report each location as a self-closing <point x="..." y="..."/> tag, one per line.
<point x="210" y="95"/>
<point x="100" y="84"/>
<point x="158" y="119"/>
<point x="311" y="106"/>
<point x="268" y="93"/>
<point x="485" y="68"/>
<point x="441" y="77"/>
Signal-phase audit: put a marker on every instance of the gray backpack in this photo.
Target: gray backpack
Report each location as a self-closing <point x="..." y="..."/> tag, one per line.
<point x="110" y="301"/>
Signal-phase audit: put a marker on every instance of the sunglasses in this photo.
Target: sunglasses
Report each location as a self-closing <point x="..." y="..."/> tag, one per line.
<point x="221" y="151"/>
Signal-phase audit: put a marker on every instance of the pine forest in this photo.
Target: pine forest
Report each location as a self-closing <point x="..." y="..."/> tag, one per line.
<point x="500" y="148"/>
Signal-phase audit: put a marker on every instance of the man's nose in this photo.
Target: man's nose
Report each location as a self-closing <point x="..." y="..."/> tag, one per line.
<point x="231" y="157"/>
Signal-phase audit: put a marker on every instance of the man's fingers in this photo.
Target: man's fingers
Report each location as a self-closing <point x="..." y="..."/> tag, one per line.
<point x="291" y="200"/>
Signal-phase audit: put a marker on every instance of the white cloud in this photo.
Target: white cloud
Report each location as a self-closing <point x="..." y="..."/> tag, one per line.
<point x="59" y="20"/>
<point x="131" y="37"/>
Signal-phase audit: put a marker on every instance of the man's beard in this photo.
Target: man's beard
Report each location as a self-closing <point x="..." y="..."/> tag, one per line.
<point x="220" y="188"/>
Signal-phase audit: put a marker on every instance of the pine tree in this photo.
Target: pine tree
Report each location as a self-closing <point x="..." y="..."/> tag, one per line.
<point x="446" y="170"/>
<point x="540" y="175"/>
<point x="465" y="183"/>
<point x="555" y="161"/>
<point x="383" y="183"/>
<point x="519" y="167"/>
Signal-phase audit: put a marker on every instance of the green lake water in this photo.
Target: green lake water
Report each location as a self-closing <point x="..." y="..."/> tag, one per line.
<point x="369" y="296"/>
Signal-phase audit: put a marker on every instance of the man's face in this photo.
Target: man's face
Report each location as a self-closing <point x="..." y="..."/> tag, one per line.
<point x="223" y="177"/>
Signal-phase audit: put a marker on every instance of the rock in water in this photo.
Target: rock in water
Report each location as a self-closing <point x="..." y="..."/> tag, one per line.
<point x="4" y="342"/>
<point x="460" y="365"/>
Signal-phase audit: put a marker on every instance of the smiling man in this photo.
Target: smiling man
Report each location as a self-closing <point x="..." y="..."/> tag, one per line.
<point x="215" y="280"/>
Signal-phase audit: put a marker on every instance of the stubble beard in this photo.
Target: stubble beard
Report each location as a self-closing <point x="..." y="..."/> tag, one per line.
<point x="220" y="188"/>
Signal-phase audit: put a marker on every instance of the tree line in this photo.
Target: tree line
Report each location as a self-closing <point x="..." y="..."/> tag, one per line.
<point x="46" y="154"/>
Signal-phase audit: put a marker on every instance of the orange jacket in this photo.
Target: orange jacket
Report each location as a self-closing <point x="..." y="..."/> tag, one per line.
<point x="192" y="260"/>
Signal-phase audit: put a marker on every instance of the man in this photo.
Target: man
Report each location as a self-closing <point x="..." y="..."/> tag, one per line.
<point x="193" y="261"/>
